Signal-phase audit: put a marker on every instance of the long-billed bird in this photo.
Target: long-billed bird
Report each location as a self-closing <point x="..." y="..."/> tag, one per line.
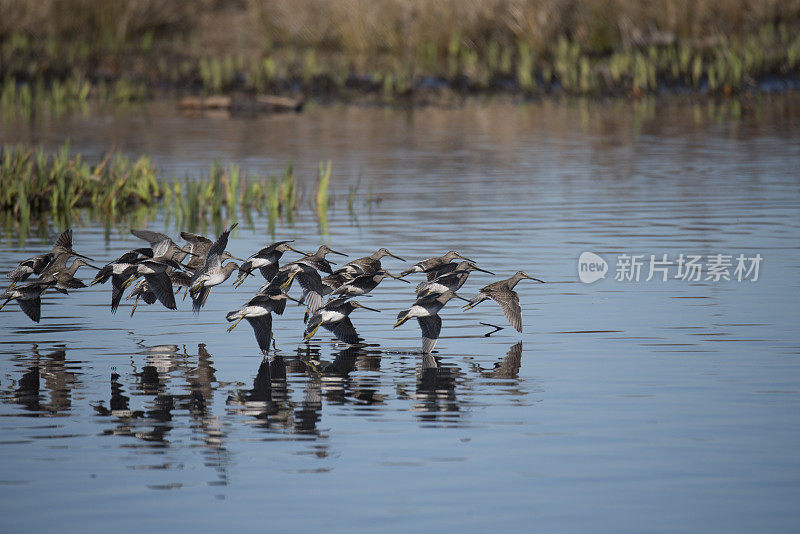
<point x="163" y="246"/>
<point x="502" y="292"/>
<point x="28" y="296"/>
<point x="334" y="317"/>
<point x="65" y="276"/>
<point x="452" y="280"/>
<point x="368" y="264"/>
<point x="426" y="311"/>
<point x="119" y="271"/>
<point x="266" y="261"/>
<point x="431" y="263"/>
<point x="258" y="312"/>
<point x="213" y="273"/>
<point x="363" y="284"/>
<point x="318" y="261"/>
<point x="310" y="282"/>
<point x="62" y="248"/>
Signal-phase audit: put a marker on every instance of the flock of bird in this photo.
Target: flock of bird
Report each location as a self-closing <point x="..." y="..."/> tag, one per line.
<point x="201" y="264"/>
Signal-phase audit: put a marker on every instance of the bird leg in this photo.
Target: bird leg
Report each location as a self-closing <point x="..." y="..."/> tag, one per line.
<point x="231" y="327"/>
<point x="401" y="321"/>
<point x="239" y="281"/>
<point x="6" y="302"/>
<point x="135" y="303"/>
<point x="311" y="334"/>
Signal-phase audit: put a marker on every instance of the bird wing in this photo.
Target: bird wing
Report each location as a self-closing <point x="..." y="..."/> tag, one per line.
<point x="158" y="242"/>
<point x="278" y="306"/>
<point x="509" y="303"/>
<point x="199" y="299"/>
<point x="439" y="270"/>
<point x="343" y="330"/>
<point x="40" y="263"/>
<point x="149" y="297"/>
<point x="431" y="327"/>
<point x="196" y="239"/>
<point x="218" y="247"/>
<point x="32" y="308"/>
<point x="64" y="240"/>
<point x="509" y="366"/>
<point x="180" y="278"/>
<point x="162" y="287"/>
<point x="116" y="291"/>
<point x="312" y="288"/>
<point x="262" y="326"/>
<point x="269" y="271"/>
<point x="70" y="282"/>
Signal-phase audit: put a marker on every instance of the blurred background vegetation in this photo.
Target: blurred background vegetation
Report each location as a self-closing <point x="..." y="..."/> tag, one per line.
<point x="67" y="51"/>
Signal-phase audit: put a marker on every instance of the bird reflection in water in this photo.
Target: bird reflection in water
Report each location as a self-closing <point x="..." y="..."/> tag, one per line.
<point x="435" y="398"/>
<point x="49" y="374"/>
<point x="266" y="402"/>
<point x="339" y="387"/>
<point x="507" y="367"/>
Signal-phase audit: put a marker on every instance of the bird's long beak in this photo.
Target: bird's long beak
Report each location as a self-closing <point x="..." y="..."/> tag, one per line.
<point x="298" y="251"/>
<point x="532" y="278"/>
<point x="397" y="277"/>
<point x="292" y="298"/>
<point x="359" y="305"/>
<point x="395" y="257"/>
<point x="235" y="258"/>
<point x="81" y="256"/>
<point x="335" y="252"/>
<point x="476" y="268"/>
<point x="463" y="258"/>
<point x="462" y="298"/>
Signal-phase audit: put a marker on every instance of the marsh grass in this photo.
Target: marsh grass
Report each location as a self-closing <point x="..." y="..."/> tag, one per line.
<point x="65" y="188"/>
<point x="59" y="53"/>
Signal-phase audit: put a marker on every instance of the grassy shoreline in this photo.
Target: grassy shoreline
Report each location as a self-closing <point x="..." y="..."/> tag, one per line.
<point x="63" y="53"/>
<point x="117" y="189"/>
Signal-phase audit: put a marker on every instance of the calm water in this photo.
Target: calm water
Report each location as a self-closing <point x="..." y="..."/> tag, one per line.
<point x="623" y="406"/>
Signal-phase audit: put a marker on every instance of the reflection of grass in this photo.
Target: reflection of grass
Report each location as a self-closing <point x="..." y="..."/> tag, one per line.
<point x="58" y="53"/>
<point x="36" y="186"/>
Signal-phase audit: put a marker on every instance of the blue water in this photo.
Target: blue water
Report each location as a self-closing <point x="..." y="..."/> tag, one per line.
<point x="621" y="407"/>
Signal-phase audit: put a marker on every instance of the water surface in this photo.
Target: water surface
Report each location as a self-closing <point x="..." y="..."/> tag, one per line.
<point x="621" y="407"/>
